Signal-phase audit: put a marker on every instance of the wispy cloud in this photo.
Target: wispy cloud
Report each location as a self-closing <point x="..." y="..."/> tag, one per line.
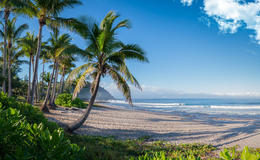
<point x="187" y="2"/>
<point x="233" y="14"/>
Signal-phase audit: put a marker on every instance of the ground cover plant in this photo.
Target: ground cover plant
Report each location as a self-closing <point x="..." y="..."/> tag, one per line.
<point x="26" y="134"/>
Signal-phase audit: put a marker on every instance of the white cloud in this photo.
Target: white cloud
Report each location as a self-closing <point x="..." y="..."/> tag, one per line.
<point x="147" y="91"/>
<point x="155" y="92"/>
<point x="187" y="2"/>
<point x="233" y="14"/>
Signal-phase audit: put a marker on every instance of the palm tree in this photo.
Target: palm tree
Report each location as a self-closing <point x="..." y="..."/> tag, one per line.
<point x="12" y="36"/>
<point x="107" y="56"/>
<point x="8" y="6"/>
<point x="45" y="58"/>
<point x="47" y="12"/>
<point x="65" y="67"/>
<point x="60" y="47"/>
<point x="28" y="46"/>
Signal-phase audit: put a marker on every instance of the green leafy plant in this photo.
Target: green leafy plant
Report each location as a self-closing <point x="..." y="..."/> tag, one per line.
<point x="65" y="100"/>
<point x="245" y="155"/>
<point x="78" y="103"/>
<point x="21" y="138"/>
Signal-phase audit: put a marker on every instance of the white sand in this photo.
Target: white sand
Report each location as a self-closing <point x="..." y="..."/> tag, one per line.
<point x="175" y="128"/>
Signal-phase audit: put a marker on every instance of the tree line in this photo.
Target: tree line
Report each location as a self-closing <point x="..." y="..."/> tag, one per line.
<point x="103" y="55"/>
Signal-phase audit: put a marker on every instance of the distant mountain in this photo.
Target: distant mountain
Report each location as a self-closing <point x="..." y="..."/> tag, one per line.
<point x="101" y="95"/>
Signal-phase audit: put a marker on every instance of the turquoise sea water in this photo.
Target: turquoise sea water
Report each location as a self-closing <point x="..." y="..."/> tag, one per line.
<point x="238" y="107"/>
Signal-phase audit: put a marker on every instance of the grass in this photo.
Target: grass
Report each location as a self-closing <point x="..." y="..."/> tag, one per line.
<point x="113" y="149"/>
<point x="109" y="148"/>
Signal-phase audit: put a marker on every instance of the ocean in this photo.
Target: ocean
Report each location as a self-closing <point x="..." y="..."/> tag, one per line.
<point x="238" y="107"/>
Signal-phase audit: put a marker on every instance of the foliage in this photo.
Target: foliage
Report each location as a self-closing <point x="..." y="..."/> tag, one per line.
<point x="24" y="136"/>
<point x="245" y="155"/>
<point x="162" y="156"/>
<point x="65" y="100"/>
<point x="77" y="102"/>
<point x="102" y="148"/>
<point x="107" y="55"/>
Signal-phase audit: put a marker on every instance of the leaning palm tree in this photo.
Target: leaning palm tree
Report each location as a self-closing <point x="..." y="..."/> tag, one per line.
<point x="107" y="56"/>
<point x="28" y="46"/>
<point x="8" y="6"/>
<point x="12" y="36"/>
<point x="47" y="12"/>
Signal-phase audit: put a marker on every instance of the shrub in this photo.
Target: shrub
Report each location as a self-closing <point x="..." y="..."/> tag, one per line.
<point x="245" y="155"/>
<point x="78" y="103"/>
<point x="20" y="138"/>
<point x="65" y="100"/>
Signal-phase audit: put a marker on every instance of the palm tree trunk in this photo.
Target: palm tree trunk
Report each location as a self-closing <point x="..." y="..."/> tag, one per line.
<point x="44" y="107"/>
<point x="9" y="72"/>
<point x="42" y="84"/>
<point x="29" y="80"/>
<point x="36" y="64"/>
<point x="83" y="118"/>
<point x="6" y="16"/>
<point x="62" y="80"/>
<point x="52" y="100"/>
<point x="37" y="89"/>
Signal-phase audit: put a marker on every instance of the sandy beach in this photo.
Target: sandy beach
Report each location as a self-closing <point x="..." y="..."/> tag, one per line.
<point x="175" y="127"/>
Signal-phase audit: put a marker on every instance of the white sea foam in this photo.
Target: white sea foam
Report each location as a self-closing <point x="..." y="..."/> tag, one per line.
<point x="146" y="104"/>
<point x="160" y="104"/>
<point x="235" y="107"/>
<point x="117" y="101"/>
<point x="201" y="108"/>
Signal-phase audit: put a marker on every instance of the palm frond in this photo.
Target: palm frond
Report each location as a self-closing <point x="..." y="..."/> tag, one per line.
<point x="121" y="85"/>
<point x="82" y="81"/>
<point x="133" y="51"/>
<point x="125" y="71"/>
<point x="69" y="23"/>
<point x="124" y="23"/>
<point x="20" y="29"/>
<point x="75" y="72"/>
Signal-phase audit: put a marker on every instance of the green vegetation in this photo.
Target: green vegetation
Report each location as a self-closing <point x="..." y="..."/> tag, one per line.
<point x="26" y="134"/>
<point x="232" y="154"/>
<point x="66" y="100"/>
<point x="103" y="148"/>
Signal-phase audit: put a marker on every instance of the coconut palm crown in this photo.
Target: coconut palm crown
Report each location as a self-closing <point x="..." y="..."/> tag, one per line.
<point x="106" y="55"/>
<point x="12" y="34"/>
<point x="47" y="12"/>
<point x="6" y="8"/>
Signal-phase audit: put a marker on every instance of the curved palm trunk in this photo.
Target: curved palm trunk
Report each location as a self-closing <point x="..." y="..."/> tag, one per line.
<point x="83" y="118"/>
<point x="62" y="80"/>
<point x="6" y="16"/>
<point x="36" y="64"/>
<point x="29" y="80"/>
<point x="52" y="100"/>
<point x="44" y="107"/>
<point x="9" y="72"/>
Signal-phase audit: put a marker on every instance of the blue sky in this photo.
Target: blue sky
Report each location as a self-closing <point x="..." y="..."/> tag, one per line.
<point x="194" y="47"/>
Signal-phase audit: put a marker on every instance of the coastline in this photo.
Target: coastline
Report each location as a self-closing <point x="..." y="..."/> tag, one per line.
<point x="175" y="128"/>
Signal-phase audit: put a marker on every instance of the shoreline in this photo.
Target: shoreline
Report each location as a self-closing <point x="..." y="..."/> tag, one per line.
<point x="175" y="128"/>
